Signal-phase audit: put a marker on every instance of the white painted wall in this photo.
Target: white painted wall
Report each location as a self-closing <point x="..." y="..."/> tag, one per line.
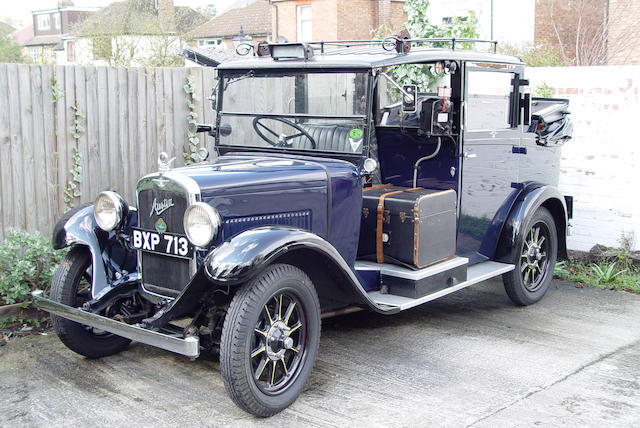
<point x="600" y="167"/>
<point x="513" y="20"/>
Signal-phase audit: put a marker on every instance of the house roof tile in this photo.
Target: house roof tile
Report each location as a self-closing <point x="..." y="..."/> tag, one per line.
<point x="43" y="40"/>
<point x="254" y="19"/>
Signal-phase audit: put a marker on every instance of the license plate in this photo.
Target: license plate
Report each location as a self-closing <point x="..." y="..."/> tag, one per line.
<point x="165" y="243"/>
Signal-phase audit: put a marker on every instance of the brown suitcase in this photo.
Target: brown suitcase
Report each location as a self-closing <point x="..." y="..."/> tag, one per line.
<point x="415" y="227"/>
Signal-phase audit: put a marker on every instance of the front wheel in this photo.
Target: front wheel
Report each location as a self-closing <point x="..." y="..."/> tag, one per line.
<point x="270" y="340"/>
<point x="71" y="286"/>
<point x="535" y="258"/>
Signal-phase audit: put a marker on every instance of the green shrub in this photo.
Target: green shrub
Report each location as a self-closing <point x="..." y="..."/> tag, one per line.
<point x="606" y="273"/>
<point x="27" y="262"/>
<point x="543" y="90"/>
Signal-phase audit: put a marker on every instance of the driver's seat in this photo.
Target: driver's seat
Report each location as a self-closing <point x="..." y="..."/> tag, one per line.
<point x="331" y="138"/>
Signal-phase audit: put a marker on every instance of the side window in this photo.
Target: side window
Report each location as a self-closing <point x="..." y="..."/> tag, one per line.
<point x="488" y="100"/>
<point x="427" y="81"/>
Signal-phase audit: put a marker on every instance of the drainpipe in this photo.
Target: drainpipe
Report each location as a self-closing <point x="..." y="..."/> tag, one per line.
<point x="491" y="19"/>
<point x="606" y="37"/>
<point x="274" y="31"/>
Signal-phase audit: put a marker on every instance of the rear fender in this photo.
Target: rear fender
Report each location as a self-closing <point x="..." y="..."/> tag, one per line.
<point x="532" y="197"/>
<point x="109" y="255"/>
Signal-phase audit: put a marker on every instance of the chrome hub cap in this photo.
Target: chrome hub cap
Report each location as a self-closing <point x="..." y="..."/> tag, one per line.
<point x="278" y="341"/>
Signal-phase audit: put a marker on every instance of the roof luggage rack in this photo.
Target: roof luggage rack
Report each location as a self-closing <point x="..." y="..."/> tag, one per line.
<point x="401" y="42"/>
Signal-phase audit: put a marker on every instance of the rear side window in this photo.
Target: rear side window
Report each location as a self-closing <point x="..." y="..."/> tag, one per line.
<point x="488" y="100"/>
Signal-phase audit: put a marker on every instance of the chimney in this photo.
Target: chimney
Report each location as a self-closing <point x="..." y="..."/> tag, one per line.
<point x="65" y="3"/>
<point x="383" y="12"/>
<point x="166" y="15"/>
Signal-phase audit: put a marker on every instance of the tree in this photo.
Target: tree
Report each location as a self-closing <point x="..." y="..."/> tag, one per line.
<point x="534" y="56"/>
<point x="9" y="50"/>
<point x="126" y="33"/>
<point x="585" y="32"/>
<point x="419" y="27"/>
<point x="208" y="11"/>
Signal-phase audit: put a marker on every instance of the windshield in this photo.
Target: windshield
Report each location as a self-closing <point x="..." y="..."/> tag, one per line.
<point x="321" y="111"/>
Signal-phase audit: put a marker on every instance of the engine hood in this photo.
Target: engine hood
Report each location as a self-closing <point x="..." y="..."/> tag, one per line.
<point x="233" y="175"/>
<point x="320" y="195"/>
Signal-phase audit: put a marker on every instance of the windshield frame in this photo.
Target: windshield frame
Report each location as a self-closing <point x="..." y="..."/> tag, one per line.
<point x="224" y="75"/>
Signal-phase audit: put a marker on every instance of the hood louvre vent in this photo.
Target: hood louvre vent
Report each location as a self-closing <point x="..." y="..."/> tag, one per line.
<point x="297" y="219"/>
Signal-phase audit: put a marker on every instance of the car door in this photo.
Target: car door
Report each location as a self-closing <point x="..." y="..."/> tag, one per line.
<point x="491" y="145"/>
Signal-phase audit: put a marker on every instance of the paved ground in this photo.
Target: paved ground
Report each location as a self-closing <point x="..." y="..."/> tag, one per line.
<point x="470" y="359"/>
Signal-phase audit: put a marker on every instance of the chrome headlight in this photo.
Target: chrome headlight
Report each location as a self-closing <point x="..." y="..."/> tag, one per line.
<point x="109" y="209"/>
<point x="201" y="224"/>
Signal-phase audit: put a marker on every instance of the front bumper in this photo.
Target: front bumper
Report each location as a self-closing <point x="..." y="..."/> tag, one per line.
<point x="189" y="346"/>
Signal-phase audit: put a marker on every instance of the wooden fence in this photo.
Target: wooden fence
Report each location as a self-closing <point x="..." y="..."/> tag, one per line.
<point x="77" y="130"/>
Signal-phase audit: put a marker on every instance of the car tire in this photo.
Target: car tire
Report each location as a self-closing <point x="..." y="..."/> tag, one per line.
<point x="534" y="257"/>
<point x="71" y="286"/>
<point x="270" y="340"/>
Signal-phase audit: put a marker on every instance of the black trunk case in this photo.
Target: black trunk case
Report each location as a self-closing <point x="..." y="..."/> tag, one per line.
<point x="420" y="225"/>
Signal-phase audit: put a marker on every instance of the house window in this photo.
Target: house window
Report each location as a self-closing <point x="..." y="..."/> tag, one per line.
<point x="44" y="22"/>
<point x="209" y="43"/>
<point x="34" y="54"/>
<point x="304" y="23"/>
<point x="71" y="52"/>
<point x="46" y="54"/>
<point x="56" y="21"/>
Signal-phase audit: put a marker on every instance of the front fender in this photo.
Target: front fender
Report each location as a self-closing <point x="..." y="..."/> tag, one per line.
<point x="247" y="254"/>
<point x="108" y="255"/>
<point x="532" y="197"/>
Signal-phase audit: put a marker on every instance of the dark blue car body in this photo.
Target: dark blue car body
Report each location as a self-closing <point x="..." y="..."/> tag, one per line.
<point x="295" y="202"/>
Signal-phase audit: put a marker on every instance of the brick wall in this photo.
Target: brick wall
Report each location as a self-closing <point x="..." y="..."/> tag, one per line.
<point x="325" y="17"/>
<point x="568" y="16"/>
<point x="287" y="26"/>
<point x="600" y="164"/>
<point x="356" y="19"/>
<point x="340" y="19"/>
<point x="615" y="19"/>
<point x="623" y="45"/>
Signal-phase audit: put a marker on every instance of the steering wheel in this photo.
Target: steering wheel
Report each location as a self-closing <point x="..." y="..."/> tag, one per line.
<point x="281" y="140"/>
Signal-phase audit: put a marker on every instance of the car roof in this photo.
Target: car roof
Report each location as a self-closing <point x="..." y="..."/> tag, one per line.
<point x="367" y="58"/>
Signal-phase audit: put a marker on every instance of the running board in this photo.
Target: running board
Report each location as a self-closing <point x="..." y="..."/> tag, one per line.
<point x="475" y="274"/>
<point x="189" y="346"/>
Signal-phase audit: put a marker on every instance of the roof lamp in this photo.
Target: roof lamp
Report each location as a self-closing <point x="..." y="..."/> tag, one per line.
<point x="291" y="51"/>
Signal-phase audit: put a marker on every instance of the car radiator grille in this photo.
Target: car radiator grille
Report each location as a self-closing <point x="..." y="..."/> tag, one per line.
<point x="161" y="274"/>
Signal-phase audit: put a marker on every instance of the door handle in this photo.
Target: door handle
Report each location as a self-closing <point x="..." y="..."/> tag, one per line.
<point x="467" y="155"/>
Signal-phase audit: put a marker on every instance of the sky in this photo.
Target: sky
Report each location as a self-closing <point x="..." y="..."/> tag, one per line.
<point x="20" y="11"/>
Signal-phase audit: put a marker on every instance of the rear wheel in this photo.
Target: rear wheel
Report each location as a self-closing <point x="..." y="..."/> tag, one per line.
<point x="270" y="340"/>
<point x="71" y="286"/>
<point x="535" y="258"/>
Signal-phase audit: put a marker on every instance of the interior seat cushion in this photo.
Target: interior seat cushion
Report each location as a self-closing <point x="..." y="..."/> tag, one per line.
<point x="331" y="138"/>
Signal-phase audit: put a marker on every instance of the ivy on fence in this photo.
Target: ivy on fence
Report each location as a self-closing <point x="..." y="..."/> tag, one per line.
<point x="191" y="154"/>
<point x="72" y="191"/>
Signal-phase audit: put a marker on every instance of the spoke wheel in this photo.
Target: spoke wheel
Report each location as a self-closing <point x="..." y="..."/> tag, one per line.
<point x="270" y="340"/>
<point x="534" y="258"/>
<point x="278" y="344"/>
<point x="71" y="285"/>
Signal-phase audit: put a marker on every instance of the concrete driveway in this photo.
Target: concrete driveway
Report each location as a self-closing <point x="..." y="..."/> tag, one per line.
<point x="470" y="359"/>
